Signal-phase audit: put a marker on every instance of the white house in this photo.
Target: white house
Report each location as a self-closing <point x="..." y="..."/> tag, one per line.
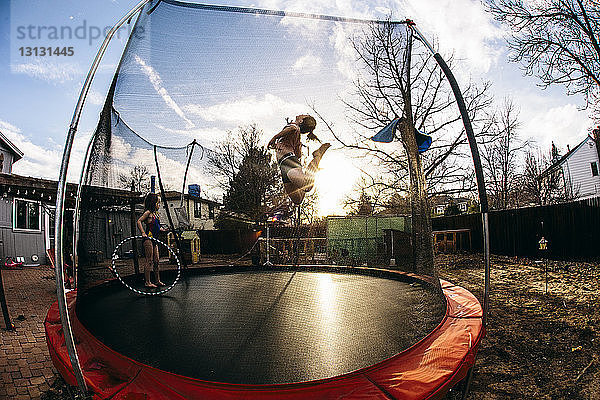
<point x="9" y="154"/>
<point x="200" y="212"/>
<point x="580" y="168"/>
<point x="440" y="203"/>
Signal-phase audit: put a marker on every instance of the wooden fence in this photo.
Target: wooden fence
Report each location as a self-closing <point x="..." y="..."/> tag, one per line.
<point x="572" y="230"/>
<point x="226" y="241"/>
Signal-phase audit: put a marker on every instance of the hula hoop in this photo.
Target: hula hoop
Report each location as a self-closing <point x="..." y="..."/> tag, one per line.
<point x="153" y="293"/>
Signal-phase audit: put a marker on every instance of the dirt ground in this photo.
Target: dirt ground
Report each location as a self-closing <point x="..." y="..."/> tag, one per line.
<point x="539" y="345"/>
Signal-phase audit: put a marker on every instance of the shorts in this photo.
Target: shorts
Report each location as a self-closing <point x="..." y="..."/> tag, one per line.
<point x="288" y="162"/>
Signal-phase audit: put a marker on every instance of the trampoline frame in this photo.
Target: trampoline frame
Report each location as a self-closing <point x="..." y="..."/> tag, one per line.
<point x="62" y="181"/>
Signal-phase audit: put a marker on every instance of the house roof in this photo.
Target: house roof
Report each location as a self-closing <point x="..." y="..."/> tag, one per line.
<point x="564" y="158"/>
<point x="10" y="146"/>
<point x="45" y="189"/>
<point x="444" y="199"/>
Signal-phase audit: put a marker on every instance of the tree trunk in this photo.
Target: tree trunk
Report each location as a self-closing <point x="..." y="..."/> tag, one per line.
<point x="421" y="214"/>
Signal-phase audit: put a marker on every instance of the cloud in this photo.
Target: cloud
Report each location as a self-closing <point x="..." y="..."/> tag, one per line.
<point x="246" y="110"/>
<point x="157" y="83"/>
<point x="308" y="64"/>
<point x="126" y="157"/>
<point x="44" y="161"/>
<point x="207" y="137"/>
<point x="48" y="71"/>
<point x="95" y="97"/>
<point x="462" y="27"/>
<point x="564" y="125"/>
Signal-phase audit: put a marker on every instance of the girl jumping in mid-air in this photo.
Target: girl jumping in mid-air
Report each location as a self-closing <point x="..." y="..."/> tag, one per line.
<point x="288" y="148"/>
<point x="152" y="229"/>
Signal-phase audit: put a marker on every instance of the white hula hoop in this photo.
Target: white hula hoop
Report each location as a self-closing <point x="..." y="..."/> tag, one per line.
<point x="153" y="293"/>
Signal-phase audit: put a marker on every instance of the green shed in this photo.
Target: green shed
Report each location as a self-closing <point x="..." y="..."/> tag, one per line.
<point x="359" y="240"/>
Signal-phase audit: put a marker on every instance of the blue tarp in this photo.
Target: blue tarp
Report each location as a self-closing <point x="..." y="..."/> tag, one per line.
<point x="387" y="134"/>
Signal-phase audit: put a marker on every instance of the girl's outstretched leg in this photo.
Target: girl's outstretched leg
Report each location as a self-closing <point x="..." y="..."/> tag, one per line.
<point x="313" y="166"/>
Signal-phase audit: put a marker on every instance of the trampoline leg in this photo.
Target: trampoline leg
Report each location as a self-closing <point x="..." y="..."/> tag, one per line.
<point x="7" y="322"/>
<point x="467" y="386"/>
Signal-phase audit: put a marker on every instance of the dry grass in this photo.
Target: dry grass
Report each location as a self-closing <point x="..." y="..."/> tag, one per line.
<point x="539" y="345"/>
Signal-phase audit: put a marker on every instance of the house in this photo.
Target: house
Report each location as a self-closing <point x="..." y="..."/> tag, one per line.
<point x="579" y="169"/>
<point x="438" y="204"/>
<point x="200" y="212"/>
<point x="9" y="154"/>
<point x="27" y="207"/>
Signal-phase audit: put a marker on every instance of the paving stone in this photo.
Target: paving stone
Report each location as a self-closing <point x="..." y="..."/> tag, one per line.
<point x="25" y="367"/>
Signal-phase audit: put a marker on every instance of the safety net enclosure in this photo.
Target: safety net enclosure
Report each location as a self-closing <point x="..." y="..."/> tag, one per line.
<point x="190" y="75"/>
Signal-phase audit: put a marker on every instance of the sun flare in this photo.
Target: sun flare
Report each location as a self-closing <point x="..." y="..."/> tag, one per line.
<point x="334" y="182"/>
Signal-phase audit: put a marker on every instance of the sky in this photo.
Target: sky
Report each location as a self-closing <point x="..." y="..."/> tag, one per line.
<point x="39" y="93"/>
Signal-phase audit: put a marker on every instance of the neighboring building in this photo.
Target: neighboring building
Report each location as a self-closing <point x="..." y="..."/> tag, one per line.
<point x="26" y="220"/>
<point x="579" y="169"/>
<point x="27" y="207"/>
<point x="9" y="154"/>
<point x="201" y="212"/>
<point x="438" y="204"/>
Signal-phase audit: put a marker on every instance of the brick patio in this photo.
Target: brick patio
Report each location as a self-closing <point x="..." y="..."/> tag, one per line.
<point x="25" y="367"/>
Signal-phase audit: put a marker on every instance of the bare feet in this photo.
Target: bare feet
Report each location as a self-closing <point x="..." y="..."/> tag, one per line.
<point x="150" y="285"/>
<point x="159" y="283"/>
<point x="321" y="150"/>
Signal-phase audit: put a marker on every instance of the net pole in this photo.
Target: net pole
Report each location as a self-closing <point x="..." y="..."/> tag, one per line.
<point x="60" y="201"/>
<point x="166" y="206"/>
<point x="187" y="167"/>
<point x="8" y="325"/>
<point x="483" y="201"/>
<point x="133" y="227"/>
<point x="76" y="212"/>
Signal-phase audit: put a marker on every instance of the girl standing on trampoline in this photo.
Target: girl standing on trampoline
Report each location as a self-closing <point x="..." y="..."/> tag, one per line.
<point x="288" y="148"/>
<point x="150" y="218"/>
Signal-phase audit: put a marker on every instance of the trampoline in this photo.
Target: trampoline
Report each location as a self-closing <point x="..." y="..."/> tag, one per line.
<point x="189" y="77"/>
<point x="304" y="332"/>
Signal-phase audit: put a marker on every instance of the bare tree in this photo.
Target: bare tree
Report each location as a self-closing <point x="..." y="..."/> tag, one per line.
<point x="541" y="184"/>
<point x="555" y="40"/>
<point x="138" y="178"/>
<point x="226" y="160"/>
<point x="501" y="158"/>
<point x="379" y="98"/>
<point x="397" y="83"/>
<point x="371" y="186"/>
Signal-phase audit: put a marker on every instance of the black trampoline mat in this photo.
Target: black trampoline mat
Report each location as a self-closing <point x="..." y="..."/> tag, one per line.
<point x="264" y="327"/>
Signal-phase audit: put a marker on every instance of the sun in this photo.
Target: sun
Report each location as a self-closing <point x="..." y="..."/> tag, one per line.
<point x="334" y="182"/>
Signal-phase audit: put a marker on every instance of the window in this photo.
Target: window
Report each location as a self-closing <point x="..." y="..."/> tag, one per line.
<point x="211" y="211"/>
<point x="26" y="215"/>
<point x="594" y="168"/>
<point x="197" y="209"/>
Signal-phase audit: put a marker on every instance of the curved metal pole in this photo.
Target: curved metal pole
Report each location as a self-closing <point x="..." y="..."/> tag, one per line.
<point x="60" y="201"/>
<point x="483" y="201"/>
